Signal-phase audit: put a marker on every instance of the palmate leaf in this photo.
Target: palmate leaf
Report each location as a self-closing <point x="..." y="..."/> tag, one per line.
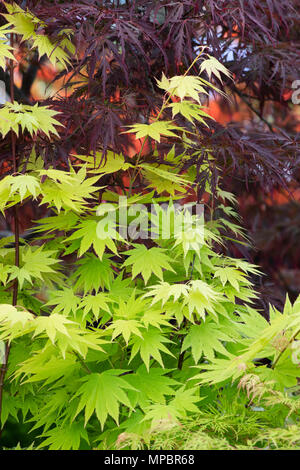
<point x="163" y="415"/>
<point x="80" y="340"/>
<point x="164" y="290"/>
<point x="10" y="407"/>
<point x="52" y="325"/>
<point x="26" y="24"/>
<point x="126" y="328"/>
<point x="205" y="339"/>
<point x="231" y="275"/>
<point x="95" y="303"/>
<point x="36" y="263"/>
<point x="65" y="301"/>
<point x="152" y="385"/>
<point x="95" y="233"/>
<point x="4" y="272"/>
<point x="150" y="345"/>
<point x="14" y="322"/>
<point x="112" y="162"/>
<point x="55" y="53"/>
<point x="132" y="316"/>
<point x="138" y="313"/>
<point x="47" y="366"/>
<point x="284" y="375"/>
<point x="213" y="66"/>
<point x="5" y="190"/>
<point x="201" y="297"/>
<point x="121" y="289"/>
<point x="67" y="335"/>
<point x="103" y="393"/>
<point x="32" y="118"/>
<point x="221" y="370"/>
<point x="163" y="180"/>
<point x="25" y="185"/>
<point x="153" y="316"/>
<point x="65" y="437"/>
<point x="188" y="86"/>
<point x="190" y="111"/>
<point x="65" y="221"/>
<point x="147" y="261"/>
<point x="164" y="174"/>
<point x="93" y="273"/>
<point x="5" y="51"/>
<point x="23" y="22"/>
<point x="68" y="190"/>
<point x="154" y="130"/>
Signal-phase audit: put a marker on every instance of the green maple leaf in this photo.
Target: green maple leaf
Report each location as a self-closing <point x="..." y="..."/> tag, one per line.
<point x="36" y="262"/>
<point x="65" y="437"/>
<point x="153" y="316"/>
<point x="25" y="185"/>
<point x="65" y="300"/>
<point x="54" y="52"/>
<point x="14" y="321"/>
<point x="151" y="385"/>
<point x="190" y="111"/>
<point x="95" y="303"/>
<point x="148" y="261"/>
<point x="251" y="323"/>
<point x="183" y="86"/>
<point x="154" y="130"/>
<point x="111" y="164"/>
<point x="121" y="288"/>
<point x="164" y="290"/>
<point x="221" y="370"/>
<point x="5" y="51"/>
<point x="33" y="118"/>
<point x="201" y="297"/>
<point x="168" y="414"/>
<point x="5" y="189"/>
<point x="68" y="190"/>
<point x="23" y="22"/>
<point x="4" y="272"/>
<point x="185" y="400"/>
<point x="21" y="274"/>
<point x="102" y="394"/>
<point x="213" y="66"/>
<point x="126" y="328"/>
<point x="231" y="275"/>
<point x="285" y="374"/>
<point x="47" y="366"/>
<point x="164" y="174"/>
<point x="93" y="273"/>
<point x="64" y="221"/>
<point x="52" y="325"/>
<point x="88" y="234"/>
<point x="60" y="196"/>
<point x="205" y="339"/>
<point x="10" y="407"/>
<point x="149" y="345"/>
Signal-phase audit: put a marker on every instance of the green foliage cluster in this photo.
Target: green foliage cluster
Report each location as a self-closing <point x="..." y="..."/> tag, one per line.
<point x="140" y="344"/>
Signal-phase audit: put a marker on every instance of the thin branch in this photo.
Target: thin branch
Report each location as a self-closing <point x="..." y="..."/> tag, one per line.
<point x="247" y="102"/>
<point x="17" y="238"/>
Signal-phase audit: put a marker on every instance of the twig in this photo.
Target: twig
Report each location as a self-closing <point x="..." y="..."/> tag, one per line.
<point x="17" y="241"/>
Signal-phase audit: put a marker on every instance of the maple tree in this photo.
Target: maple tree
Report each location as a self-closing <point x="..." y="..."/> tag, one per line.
<point x="116" y="53"/>
<point x="113" y="341"/>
